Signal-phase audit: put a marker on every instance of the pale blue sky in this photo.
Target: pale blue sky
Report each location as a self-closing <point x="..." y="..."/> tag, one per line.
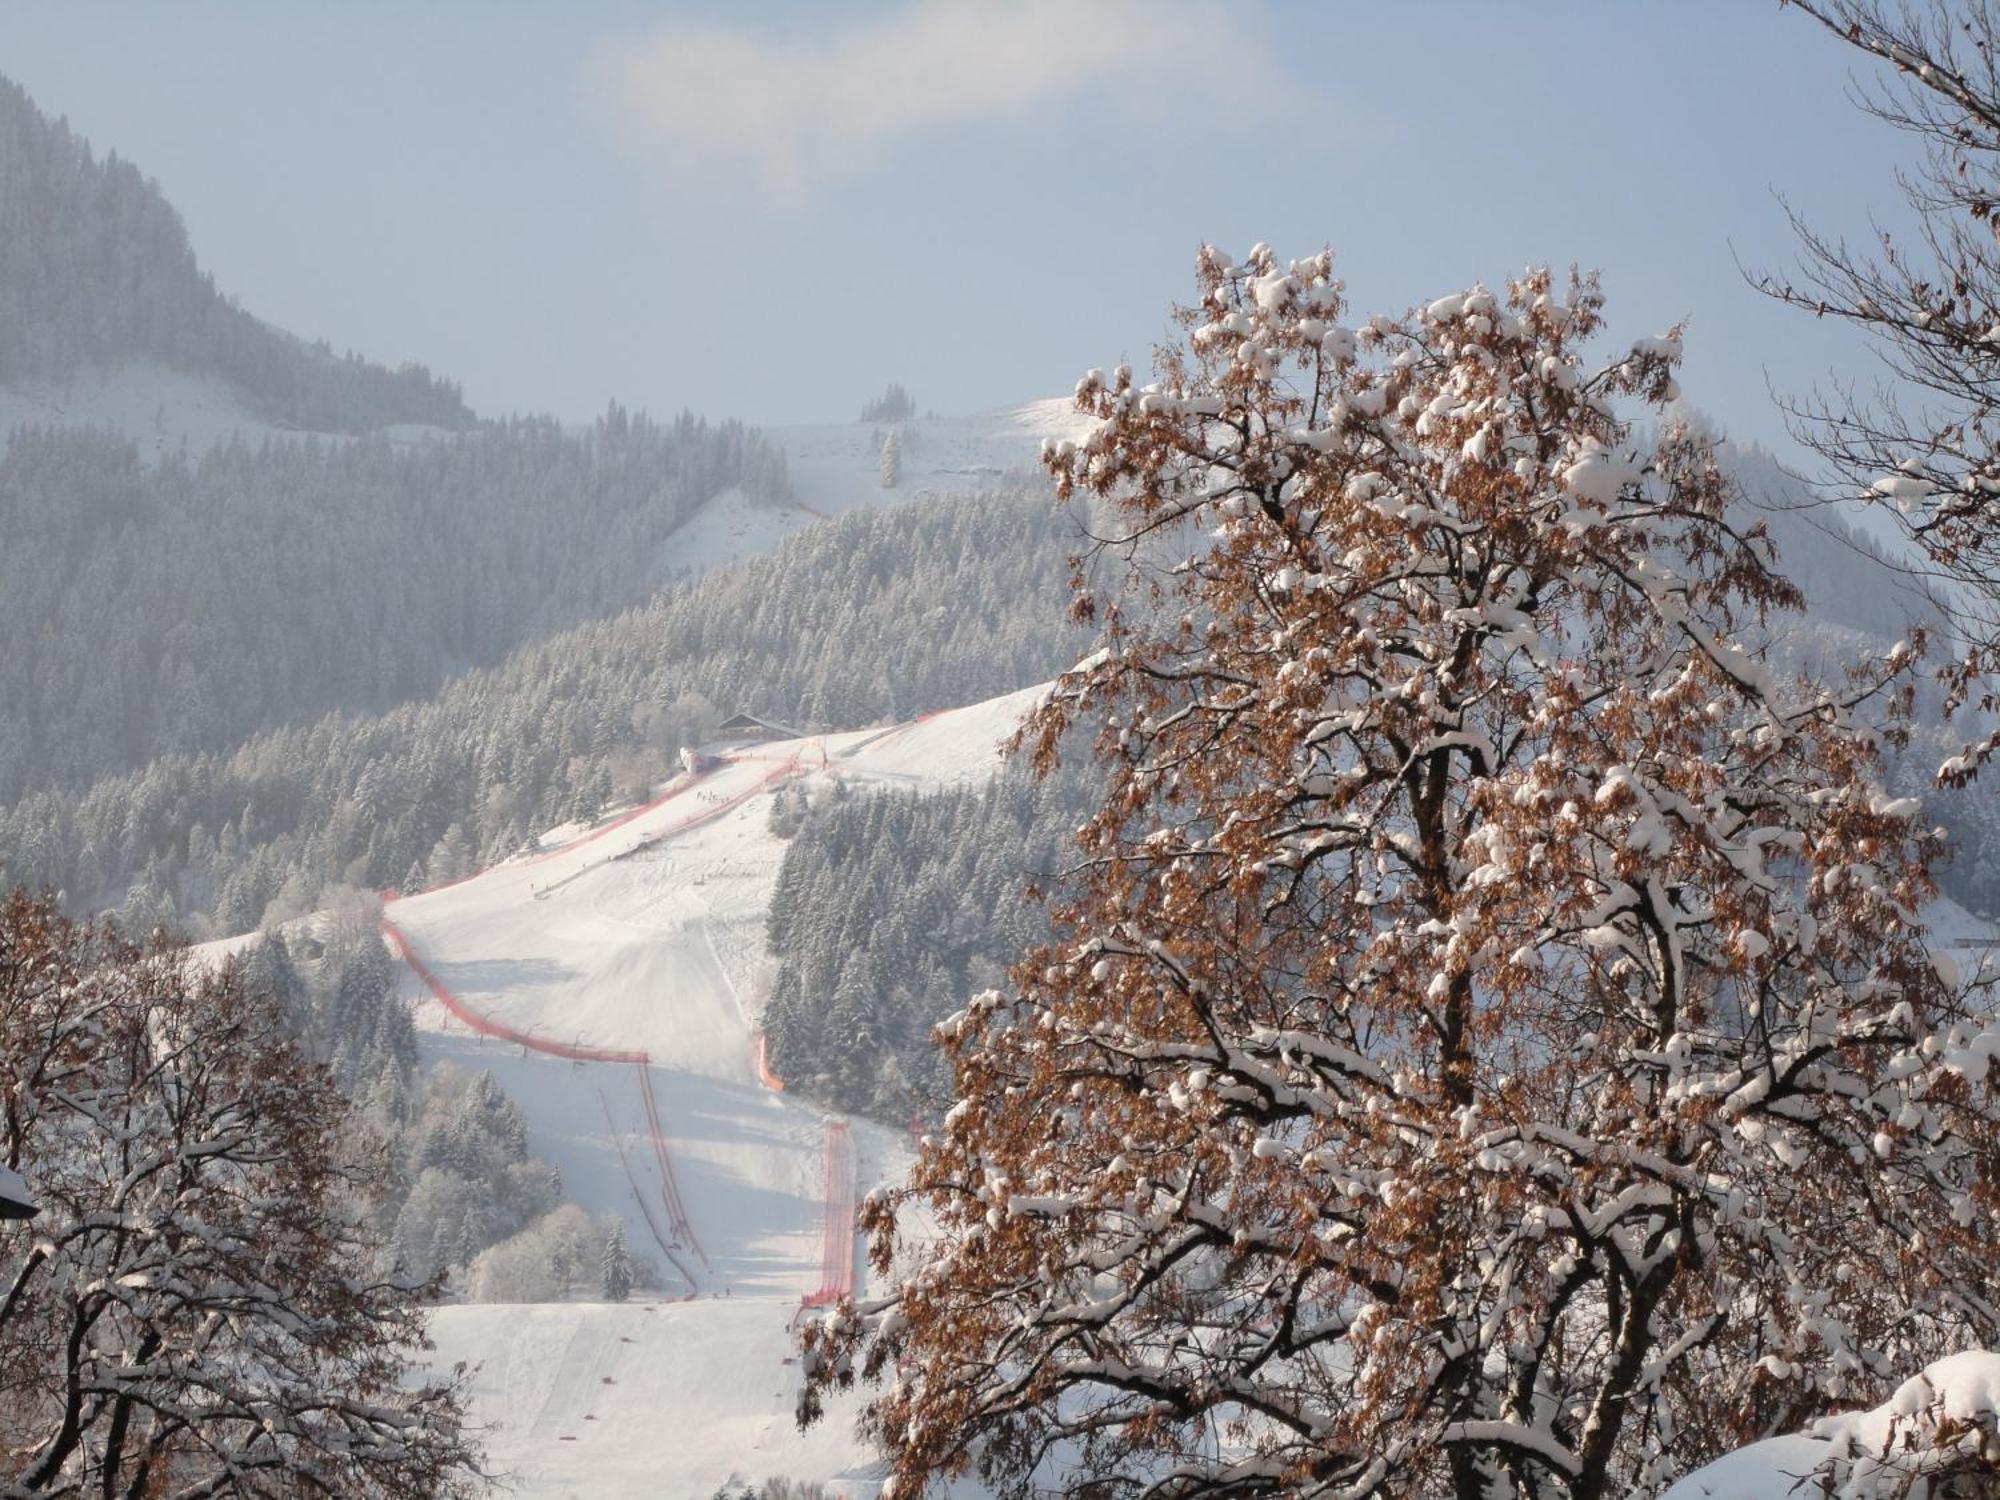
<point x="769" y="211"/>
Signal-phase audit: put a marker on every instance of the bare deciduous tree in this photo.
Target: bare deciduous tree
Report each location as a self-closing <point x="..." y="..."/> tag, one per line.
<point x="1488" y="1047"/>
<point x="196" y="1312"/>
<point x="1923" y="444"/>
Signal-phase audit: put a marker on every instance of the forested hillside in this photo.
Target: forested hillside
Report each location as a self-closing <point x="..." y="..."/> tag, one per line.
<point x="872" y="617"/>
<point x="186" y="605"/>
<point x="891" y="908"/>
<point x="455" y="1180"/>
<point x="96" y="270"/>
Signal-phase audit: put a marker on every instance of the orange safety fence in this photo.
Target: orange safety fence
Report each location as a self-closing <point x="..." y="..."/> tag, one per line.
<point x="836" y="1257"/>
<point x="730" y="803"/>
<point x="670" y="1194"/>
<point x="660" y="1237"/>
<point x="679" y="785"/>
<point x="765" y="1076"/>
<point x="670" y="1188"/>
<point x="499" y="1030"/>
<point x="693" y="820"/>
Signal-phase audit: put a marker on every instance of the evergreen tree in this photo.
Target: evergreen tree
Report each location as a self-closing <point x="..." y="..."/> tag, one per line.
<point x="615" y="1268"/>
<point x="96" y="270"/>
<point x="891" y="460"/>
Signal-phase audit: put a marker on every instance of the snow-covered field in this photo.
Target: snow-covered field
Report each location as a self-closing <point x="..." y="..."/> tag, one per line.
<point x="657" y="1399"/>
<point x="649" y="937"/>
<point x="728" y="528"/>
<point x="837" y="466"/>
<point x="160" y="409"/>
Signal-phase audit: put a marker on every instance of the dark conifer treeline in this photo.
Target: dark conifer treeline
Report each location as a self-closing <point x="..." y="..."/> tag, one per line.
<point x="891" y="908"/>
<point x="185" y="606"/>
<point x="871" y="618"/>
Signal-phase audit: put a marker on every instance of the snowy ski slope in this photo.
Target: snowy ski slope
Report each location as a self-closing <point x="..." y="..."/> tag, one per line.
<point x="612" y="983"/>
<point x="836" y="467"/>
<point x="646" y="937"/>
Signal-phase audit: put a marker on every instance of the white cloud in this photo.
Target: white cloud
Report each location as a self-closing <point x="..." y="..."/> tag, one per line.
<point x="802" y="111"/>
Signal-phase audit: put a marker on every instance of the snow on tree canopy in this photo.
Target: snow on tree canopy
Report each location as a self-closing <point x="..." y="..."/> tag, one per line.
<point x="1487" y="1047"/>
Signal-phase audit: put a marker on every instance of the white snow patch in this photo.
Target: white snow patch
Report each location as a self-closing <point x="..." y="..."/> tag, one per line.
<point x="1963" y="1389"/>
<point x="159" y="408"/>
<point x="837" y="467"/>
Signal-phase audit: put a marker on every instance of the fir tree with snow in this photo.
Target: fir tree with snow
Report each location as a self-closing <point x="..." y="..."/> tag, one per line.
<point x="615" y="1266"/>
<point x="891" y="460"/>
<point x="893" y="405"/>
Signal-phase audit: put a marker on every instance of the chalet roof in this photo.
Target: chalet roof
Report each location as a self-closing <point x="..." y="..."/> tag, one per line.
<point x="746" y="725"/>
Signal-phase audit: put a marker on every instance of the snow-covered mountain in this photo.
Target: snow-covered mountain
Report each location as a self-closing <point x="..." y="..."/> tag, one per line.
<point x="161" y="409"/>
<point x="97" y="275"/>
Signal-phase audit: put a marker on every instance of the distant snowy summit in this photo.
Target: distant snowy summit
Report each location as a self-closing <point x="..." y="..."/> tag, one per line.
<point x="836" y="467"/>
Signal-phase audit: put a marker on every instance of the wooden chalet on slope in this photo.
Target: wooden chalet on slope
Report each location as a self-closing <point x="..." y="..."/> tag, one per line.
<point x="748" y="729"/>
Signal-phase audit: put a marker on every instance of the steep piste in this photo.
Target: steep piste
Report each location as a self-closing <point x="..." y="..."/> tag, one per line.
<point x="613" y="986"/>
<point x="600" y="966"/>
<point x="675" y="1234"/>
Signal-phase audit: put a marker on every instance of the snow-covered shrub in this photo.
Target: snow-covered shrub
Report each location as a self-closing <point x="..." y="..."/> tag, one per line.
<point x="473" y="1182"/>
<point x="199" y="1307"/>
<point x="559" y="1256"/>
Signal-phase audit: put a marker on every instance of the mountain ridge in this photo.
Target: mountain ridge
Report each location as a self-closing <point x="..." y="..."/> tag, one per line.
<point x="97" y="271"/>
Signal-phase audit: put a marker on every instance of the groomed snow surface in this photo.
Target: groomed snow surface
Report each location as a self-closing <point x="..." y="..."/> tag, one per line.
<point x="836" y="466"/>
<point x="648" y="936"/>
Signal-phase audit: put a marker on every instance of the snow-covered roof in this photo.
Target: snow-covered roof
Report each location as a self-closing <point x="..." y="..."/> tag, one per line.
<point x="746" y="725"/>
